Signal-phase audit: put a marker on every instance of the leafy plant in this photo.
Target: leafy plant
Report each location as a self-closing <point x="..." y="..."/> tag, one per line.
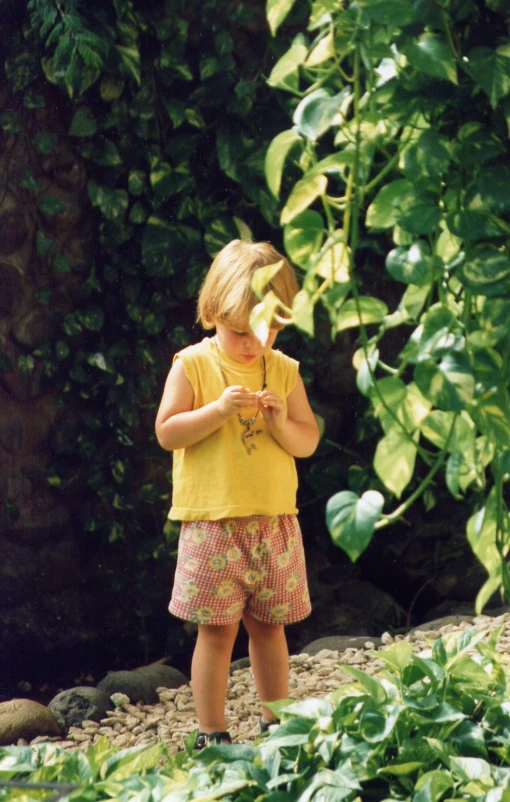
<point x="394" y="175"/>
<point x="430" y="726"/>
<point x="169" y="114"/>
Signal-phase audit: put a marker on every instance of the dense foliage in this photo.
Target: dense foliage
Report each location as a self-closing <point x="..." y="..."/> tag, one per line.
<point x="430" y="726"/>
<point x="166" y="103"/>
<point x="395" y="170"/>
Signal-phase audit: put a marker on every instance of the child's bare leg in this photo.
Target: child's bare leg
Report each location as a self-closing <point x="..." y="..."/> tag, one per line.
<point x="269" y="656"/>
<point x="210" y="668"/>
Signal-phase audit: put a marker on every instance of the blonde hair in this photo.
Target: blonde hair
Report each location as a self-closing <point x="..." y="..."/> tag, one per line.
<point x="226" y="295"/>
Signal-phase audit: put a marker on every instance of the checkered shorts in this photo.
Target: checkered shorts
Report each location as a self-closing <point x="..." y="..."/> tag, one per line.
<point x="254" y="564"/>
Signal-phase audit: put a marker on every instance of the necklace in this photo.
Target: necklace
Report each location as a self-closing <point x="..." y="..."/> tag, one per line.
<point x="246" y="422"/>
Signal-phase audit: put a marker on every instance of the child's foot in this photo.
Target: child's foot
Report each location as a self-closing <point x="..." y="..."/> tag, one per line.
<point x="212" y="738"/>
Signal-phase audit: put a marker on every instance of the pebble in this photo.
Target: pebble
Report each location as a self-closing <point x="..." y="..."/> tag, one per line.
<point x="172" y="718"/>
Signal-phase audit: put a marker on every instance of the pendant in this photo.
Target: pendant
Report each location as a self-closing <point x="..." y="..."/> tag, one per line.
<point x="248" y="433"/>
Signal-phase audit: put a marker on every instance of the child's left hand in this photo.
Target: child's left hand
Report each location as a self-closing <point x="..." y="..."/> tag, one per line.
<point x="272" y="408"/>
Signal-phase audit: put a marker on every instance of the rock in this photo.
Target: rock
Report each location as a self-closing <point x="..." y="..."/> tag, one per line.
<point x="161" y="676"/>
<point x="339" y="643"/>
<point x="241" y="663"/>
<point x="132" y="683"/>
<point x="447" y="620"/>
<point x="23" y="718"/>
<point x="70" y="708"/>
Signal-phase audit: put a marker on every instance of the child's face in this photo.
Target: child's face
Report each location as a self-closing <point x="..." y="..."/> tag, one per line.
<point x="242" y="345"/>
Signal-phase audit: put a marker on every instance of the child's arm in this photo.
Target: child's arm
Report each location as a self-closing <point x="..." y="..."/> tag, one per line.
<point x="178" y="425"/>
<point x="295" y="430"/>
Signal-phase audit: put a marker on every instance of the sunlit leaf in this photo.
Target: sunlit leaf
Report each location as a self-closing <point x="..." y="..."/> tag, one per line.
<point x="361" y="311"/>
<point x="304" y="193"/>
<point x="276" y="156"/>
<point x="394" y="459"/>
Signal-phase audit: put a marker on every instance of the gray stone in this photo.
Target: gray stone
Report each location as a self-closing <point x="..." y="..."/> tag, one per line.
<point x="241" y="663"/>
<point x="132" y="683"/>
<point x="447" y="620"/>
<point x="339" y="643"/>
<point x="161" y="676"/>
<point x="23" y="718"/>
<point x="75" y="705"/>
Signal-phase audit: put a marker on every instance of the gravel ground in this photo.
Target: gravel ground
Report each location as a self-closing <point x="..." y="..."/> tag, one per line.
<point x="173" y="717"/>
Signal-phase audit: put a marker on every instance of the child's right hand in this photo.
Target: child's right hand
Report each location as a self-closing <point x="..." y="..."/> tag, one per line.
<point x="234" y="399"/>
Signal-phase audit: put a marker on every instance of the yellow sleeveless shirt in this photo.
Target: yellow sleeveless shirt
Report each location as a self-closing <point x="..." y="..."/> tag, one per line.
<point x="217" y="478"/>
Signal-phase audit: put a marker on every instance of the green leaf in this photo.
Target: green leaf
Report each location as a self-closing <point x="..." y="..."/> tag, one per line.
<point x="491" y="70"/>
<point x="285" y="72"/>
<point x="418" y="212"/>
<point x="45" y="142"/>
<point x="318" y="111"/>
<point x="161" y="179"/>
<point x="450" y="384"/>
<point x="492" y="186"/>
<point x="491" y="413"/>
<point x="428" y="157"/>
<point x="476" y="144"/>
<point x="50" y="204"/>
<point x="263" y="276"/>
<point x="130" y="64"/>
<point x="112" y="202"/>
<point x="44" y="244"/>
<point x="382" y="212"/>
<point x="91" y="317"/>
<point x="397" y="656"/>
<point x="276" y="157"/>
<point x="432" y="786"/>
<point x="474" y="224"/>
<point x="388" y="12"/>
<point x="335" y="262"/>
<point x="137" y="182"/>
<point x="366" y="310"/>
<point x="276" y="11"/>
<point x="394" y="460"/>
<point x="303" y="237"/>
<point x="138" y="213"/>
<point x="351" y="520"/>
<point x="10" y="121"/>
<point x="262" y="315"/>
<point x="106" y="154"/>
<point x="411" y="265"/>
<point x="431" y="54"/>
<point x="83" y="123"/>
<point x="486" y="270"/>
<point x="303" y="312"/>
<point x="131" y="761"/>
<point x="303" y="194"/>
<point x="219" y="233"/>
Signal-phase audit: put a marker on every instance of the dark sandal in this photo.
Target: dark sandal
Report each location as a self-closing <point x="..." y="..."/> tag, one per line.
<point x="264" y="725"/>
<point x="212" y="738"/>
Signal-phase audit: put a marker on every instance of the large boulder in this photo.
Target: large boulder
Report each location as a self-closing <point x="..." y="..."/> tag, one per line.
<point x="131" y="683"/>
<point x="75" y="705"/>
<point x="340" y="643"/>
<point x="23" y="718"/>
<point x="162" y="676"/>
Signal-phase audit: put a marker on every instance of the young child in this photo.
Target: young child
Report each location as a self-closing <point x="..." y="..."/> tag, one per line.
<point x="235" y="413"/>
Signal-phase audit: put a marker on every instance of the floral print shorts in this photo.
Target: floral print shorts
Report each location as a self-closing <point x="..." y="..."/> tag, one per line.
<point x="254" y="564"/>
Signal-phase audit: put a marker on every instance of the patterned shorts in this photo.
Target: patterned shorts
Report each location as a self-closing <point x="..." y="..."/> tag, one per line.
<point x="253" y="564"/>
